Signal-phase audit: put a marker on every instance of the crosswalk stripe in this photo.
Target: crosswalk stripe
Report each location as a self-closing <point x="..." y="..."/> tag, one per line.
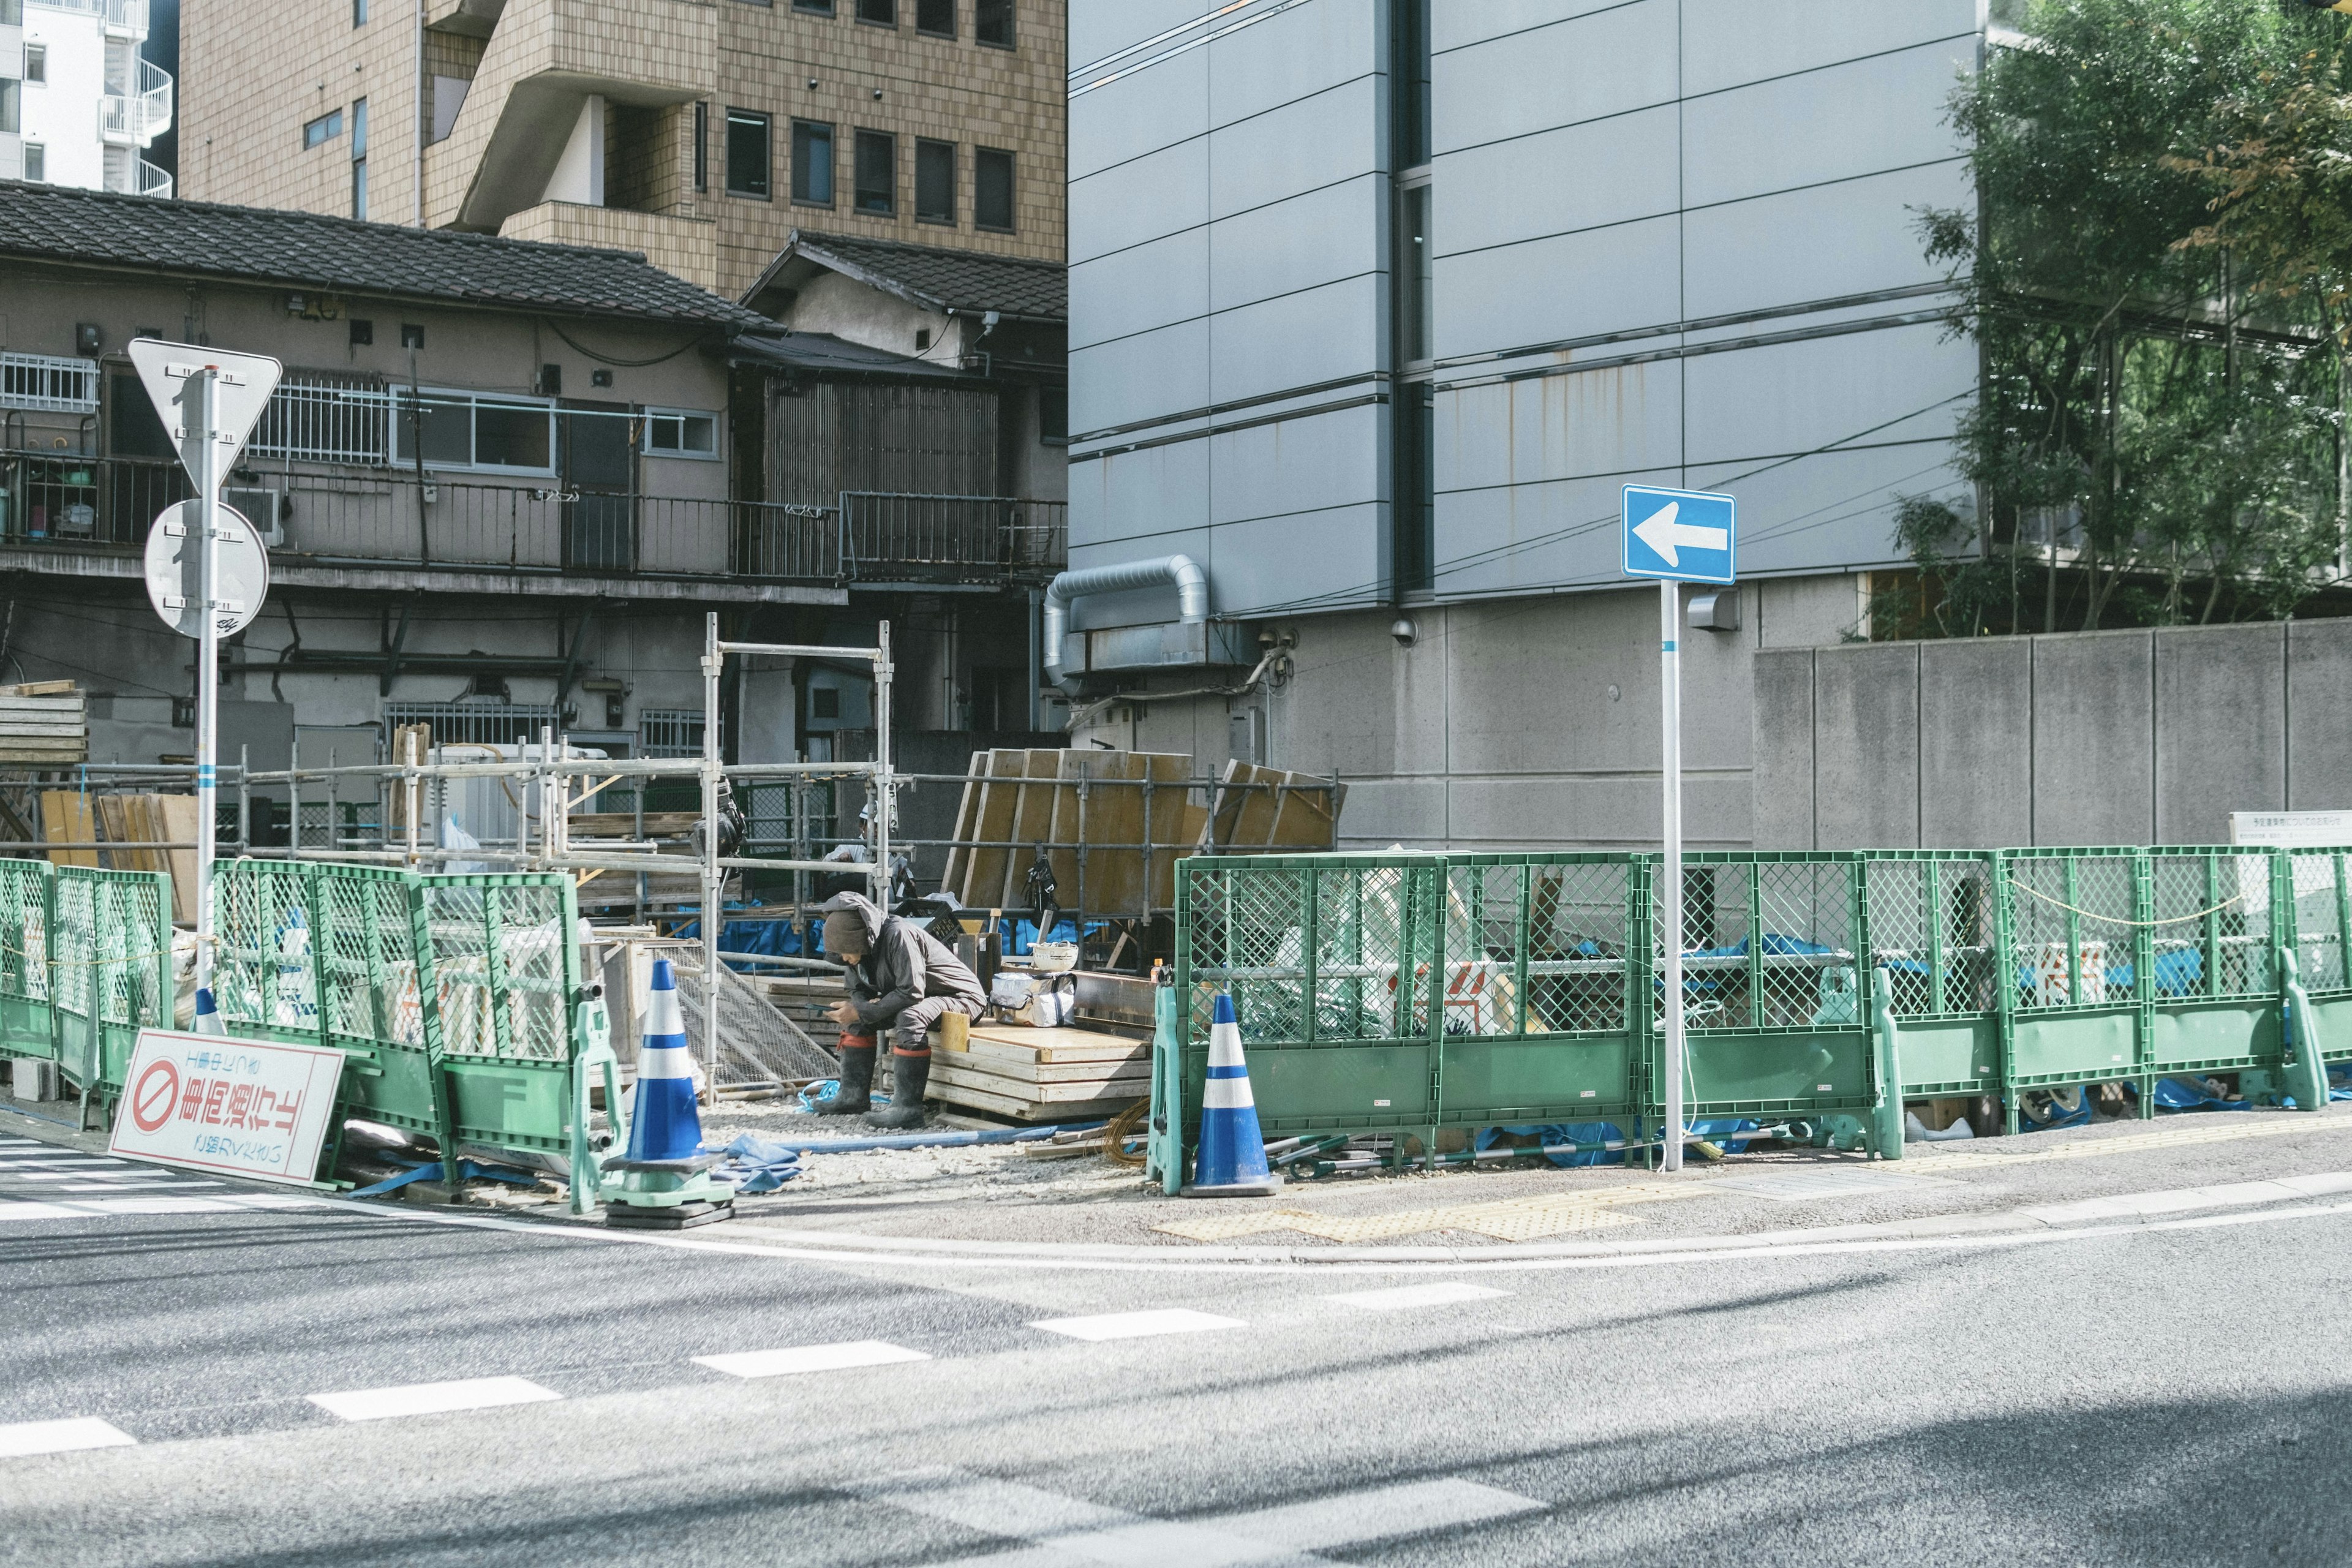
<point x="24" y="1438"/>
<point x="1405" y="1297"/>
<point x="1136" y="1325"/>
<point x="1413" y="1507"/>
<point x="432" y="1398"/>
<point x="809" y="1358"/>
<point x="24" y="1209"/>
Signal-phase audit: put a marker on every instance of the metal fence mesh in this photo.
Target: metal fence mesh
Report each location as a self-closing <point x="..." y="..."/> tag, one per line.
<point x="2213" y="935"/>
<point x="2071" y="928"/>
<point x="1931" y="930"/>
<point x="2323" y="920"/>
<point x="263" y="962"/>
<point x="1766" y="943"/>
<point x="498" y="966"/>
<point x="367" y="958"/>
<point x="24" y="889"/>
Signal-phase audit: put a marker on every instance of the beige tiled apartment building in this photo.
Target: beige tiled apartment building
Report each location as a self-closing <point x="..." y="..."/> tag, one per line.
<point x="699" y="131"/>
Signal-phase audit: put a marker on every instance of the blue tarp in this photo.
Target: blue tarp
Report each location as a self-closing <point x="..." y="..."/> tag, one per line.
<point x="2177" y="975"/>
<point x="1561" y="1140"/>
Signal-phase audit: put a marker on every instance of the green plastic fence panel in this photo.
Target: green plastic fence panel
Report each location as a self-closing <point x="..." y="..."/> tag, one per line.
<point x="1776" y="1019"/>
<point x="506" y="971"/>
<point x="376" y="997"/>
<point x="1932" y="920"/>
<point x="1539" y="954"/>
<point x="111" y="968"/>
<point x="2319" y="925"/>
<point x="2217" y="920"/>
<point x="1328" y="958"/>
<point x="265" y="953"/>
<point x="2075" y="942"/>
<point x="28" y="1022"/>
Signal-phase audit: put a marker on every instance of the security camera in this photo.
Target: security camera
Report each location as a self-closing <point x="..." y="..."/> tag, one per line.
<point x="1403" y="630"/>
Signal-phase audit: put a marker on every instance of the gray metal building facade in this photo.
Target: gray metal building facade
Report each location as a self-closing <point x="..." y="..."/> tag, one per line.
<point x="1373" y="324"/>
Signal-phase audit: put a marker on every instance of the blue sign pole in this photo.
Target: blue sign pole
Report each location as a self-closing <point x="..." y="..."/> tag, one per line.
<point x="1675" y="536"/>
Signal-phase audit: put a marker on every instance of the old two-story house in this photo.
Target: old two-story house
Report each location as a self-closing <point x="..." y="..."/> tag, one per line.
<point x="500" y="484"/>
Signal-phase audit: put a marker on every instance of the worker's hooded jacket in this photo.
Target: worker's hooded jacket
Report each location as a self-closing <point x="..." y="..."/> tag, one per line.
<point x="903" y="964"/>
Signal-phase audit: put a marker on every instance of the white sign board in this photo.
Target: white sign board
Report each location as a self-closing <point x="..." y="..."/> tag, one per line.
<point x="2291" y="830"/>
<point x="241" y="392"/>
<point x="242" y="1108"/>
<point x="174" y="572"/>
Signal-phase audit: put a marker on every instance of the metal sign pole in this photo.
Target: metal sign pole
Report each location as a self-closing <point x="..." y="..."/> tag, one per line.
<point x="199" y="404"/>
<point x="885" y="788"/>
<point x="714" y="876"/>
<point x="1670" y="896"/>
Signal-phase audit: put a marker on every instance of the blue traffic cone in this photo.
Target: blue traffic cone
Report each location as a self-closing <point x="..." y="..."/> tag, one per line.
<point x="1230" y="1162"/>
<point x="666" y="1182"/>
<point x="207" y="1014"/>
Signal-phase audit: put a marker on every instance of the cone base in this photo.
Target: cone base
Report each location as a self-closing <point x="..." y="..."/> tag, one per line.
<point x="1259" y="1189"/>
<point x="675" y="1216"/>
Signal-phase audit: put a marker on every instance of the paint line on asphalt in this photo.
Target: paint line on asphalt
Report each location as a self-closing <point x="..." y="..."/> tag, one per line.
<point x="433" y="1398"/>
<point x="1136" y="1325"/>
<point x="1405" y="1298"/>
<point x="24" y="1438"/>
<point x="133" y="1186"/>
<point x="26" y="1208"/>
<point x="155" y="1205"/>
<point x="1413" y="1507"/>
<point x="809" y="1358"/>
<point x="2185" y="1200"/>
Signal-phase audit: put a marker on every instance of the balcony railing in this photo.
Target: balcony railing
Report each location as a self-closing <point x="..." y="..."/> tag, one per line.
<point x="138" y="117"/>
<point x="378" y="518"/>
<point x="120" y="16"/>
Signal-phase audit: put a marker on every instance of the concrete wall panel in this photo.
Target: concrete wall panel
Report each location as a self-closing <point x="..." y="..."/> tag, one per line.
<point x="1105" y="217"/>
<point x="1544" y="77"/>
<point x="1140" y="377"/>
<point x="1976" y="741"/>
<point x="1783" y="749"/>
<point x="1145" y="606"/>
<point x="1831" y="124"/>
<point x="1727" y="42"/>
<point x="1140" y="114"/>
<point x="1560" y="426"/>
<point x="1272" y="561"/>
<point x="1139" y="289"/>
<point x="1289" y="56"/>
<point x="1300" y="147"/>
<point x="1102" y="28"/>
<point x="1299" y="340"/>
<point x="1565" y="532"/>
<point x="1296" y="465"/>
<point x="1459" y="26"/>
<point x="2094" y="721"/>
<point x="1624" y="277"/>
<point x="1159" y="490"/>
<point x="1794" y="397"/>
<point x="2220" y="729"/>
<point x="1324" y="236"/>
<point x="1831" y="505"/>
<point x="1866" y="747"/>
<point x="2319" y="715"/>
<point x="1759" y="254"/>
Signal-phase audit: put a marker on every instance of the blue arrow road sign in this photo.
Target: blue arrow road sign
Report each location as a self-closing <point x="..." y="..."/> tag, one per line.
<point x="1687" y="535"/>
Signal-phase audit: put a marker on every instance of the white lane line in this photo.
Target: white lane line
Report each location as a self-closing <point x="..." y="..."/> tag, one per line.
<point x="2182" y="1200"/>
<point x="22" y="1438"/>
<point x="1413" y="1507"/>
<point x="1406" y="1297"/>
<point x="274" y="1201"/>
<point x="25" y="1208"/>
<point x="154" y="1205"/>
<point x="809" y="1358"/>
<point x="433" y="1398"/>
<point x="1136" y="1325"/>
<point x="131" y="1185"/>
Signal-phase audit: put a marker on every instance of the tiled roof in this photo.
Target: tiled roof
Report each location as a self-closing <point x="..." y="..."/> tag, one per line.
<point x="824" y="351"/>
<point x="943" y="279"/>
<point x="345" y="256"/>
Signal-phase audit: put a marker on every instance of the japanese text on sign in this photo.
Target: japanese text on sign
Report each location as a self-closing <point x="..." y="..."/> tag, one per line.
<point x="245" y="1106"/>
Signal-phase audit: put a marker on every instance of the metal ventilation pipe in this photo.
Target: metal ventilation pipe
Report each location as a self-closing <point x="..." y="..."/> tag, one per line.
<point x="1192" y="583"/>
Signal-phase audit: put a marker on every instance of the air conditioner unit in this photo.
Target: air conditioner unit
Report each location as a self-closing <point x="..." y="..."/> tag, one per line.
<point x="262" y="507"/>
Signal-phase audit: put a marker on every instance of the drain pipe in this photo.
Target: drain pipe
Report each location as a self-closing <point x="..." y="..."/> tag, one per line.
<point x="1191" y="584"/>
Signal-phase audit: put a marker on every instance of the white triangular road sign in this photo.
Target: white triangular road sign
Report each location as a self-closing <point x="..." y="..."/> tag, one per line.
<point x="244" y="385"/>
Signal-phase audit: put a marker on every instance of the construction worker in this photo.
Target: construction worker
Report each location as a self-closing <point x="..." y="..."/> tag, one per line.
<point x="901" y="978"/>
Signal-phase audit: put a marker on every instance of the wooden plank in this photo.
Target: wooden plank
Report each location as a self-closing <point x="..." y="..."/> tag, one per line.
<point x="1024" y="1110"/>
<point x="624" y="823"/>
<point x="1031" y="824"/>
<point x="60" y="755"/>
<point x="175" y="816"/>
<point x="975" y="779"/>
<point x="1057" y="1045"/>
<point x="985" y="872"/>
<point x="35" y="688"/>
<point x="1135" y="1084"/>
<point x="46" y="729"/>
<point x="66" y="818"/>
<point x="989" y="1065"/>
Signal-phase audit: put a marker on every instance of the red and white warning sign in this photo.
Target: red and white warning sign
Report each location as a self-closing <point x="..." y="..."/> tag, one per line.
<point x="245" y="1108"/>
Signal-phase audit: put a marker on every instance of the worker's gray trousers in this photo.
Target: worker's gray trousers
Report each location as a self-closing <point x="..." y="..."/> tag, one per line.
<point x="910" y="1035"/>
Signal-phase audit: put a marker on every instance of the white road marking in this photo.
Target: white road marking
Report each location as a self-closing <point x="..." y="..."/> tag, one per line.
<point x="1804" y="1187"/>
<point x="2182" y="1200"/>
<point x="1405" y="1297"/>
<point x="25" y="1208"/>
<point x="809" y="1358"/>
<point x="155" y="1205"/>
<point x="433" y="1398"/>
<point x="1136" y="1325"/>
<point x="26" y="1437"/>
<point x="129" y="1184"/>
<point x="1062" y="1530"/>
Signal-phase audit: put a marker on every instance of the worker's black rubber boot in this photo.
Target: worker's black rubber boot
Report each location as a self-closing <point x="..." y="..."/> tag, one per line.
<point x="856" y="1094"/>
<point x="906" y="1107"/>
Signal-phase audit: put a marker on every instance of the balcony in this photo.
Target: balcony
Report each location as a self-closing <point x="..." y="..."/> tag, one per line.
<point x="354" y="527"/>
<point x="136" y="119"/>
<point x="127" y="19"/>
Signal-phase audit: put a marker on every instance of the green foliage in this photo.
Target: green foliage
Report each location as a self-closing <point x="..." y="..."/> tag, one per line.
<point x="2158" y="278"/>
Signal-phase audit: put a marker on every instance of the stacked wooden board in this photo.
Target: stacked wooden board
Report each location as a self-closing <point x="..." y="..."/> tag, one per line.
<point x="43" y="724"/>
<point x="1042" y="1075"/>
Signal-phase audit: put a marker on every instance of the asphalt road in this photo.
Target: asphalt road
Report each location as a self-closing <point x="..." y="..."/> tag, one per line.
<point x="2149" y="1393"/>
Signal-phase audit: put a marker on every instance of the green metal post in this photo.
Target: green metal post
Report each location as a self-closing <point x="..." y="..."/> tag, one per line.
<point x="1310" y="928"/>
<point x="1886" y="1060"/>
<point x="1932" y="890"/>
<point x="2075" y="936"/>
<point x="2307" y="1078"/>
<point x="1519" y="937"/>
<point x="2144" y="981"/>
<point x="2004" y="975"/>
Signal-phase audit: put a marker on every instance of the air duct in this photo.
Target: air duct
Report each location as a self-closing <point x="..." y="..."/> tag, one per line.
<point x="1190" y="582"/>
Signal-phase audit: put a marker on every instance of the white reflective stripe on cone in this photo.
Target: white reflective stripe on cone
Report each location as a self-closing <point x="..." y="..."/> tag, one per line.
<point x="1226" y="1094"/>
<point x="1224" y="1046"/>
<point x="664" y="1061"/>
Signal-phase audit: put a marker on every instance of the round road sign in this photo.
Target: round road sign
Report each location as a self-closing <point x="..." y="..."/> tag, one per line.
<point x="171" y="569"/>
<point x="153" y="1097"/>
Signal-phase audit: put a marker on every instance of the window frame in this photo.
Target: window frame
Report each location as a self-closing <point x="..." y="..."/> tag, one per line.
<point x="12" y="115"/>
<point x="858" y="10"/>
<point x="933" y="144"/>
<point x="1011" y="190"/>
<point x="359" y="13"/>
<point x="813" y="7"/>
<point x="864" y="137"/>
<point x="1012" y="28"/>
<point x="653" y="414"/>
<point x="767" y="125"/>
<point x="702" y="147"/>
<point x="36" y="56"/>
<point x="402" y="400"/>
<point x="37" y="149"/>
<point x="333" y="121"/>
<point x="950" y="31"/>
<point x="831" y="184"/>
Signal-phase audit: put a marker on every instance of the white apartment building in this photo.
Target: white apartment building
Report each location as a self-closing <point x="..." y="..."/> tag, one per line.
<point x="77" y="103"/>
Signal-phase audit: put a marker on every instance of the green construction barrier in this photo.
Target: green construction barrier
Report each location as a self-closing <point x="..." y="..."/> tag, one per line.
<point x="264" y="971"/>
<point x="109" y="971"/>
<point x="375" y="1004"/>
<point x="1932" y="916"/>
<point x="27" y="898"/>
<point x="2318" y="910"/>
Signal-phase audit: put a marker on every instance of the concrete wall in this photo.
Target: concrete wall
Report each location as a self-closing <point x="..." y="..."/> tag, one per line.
<point x="2127" y="737"/>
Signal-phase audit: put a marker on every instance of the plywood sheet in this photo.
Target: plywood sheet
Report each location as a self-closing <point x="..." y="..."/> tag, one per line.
<point x="66" y="819"/>
<point x="1033" y="815"/>
<point x="175" y="818"/>
<point x="975" y="779"/>
<point x="992" y="822"/>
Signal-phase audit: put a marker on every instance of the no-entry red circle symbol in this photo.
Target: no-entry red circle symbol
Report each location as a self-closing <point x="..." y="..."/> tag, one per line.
<point x="152" y="1099"/>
